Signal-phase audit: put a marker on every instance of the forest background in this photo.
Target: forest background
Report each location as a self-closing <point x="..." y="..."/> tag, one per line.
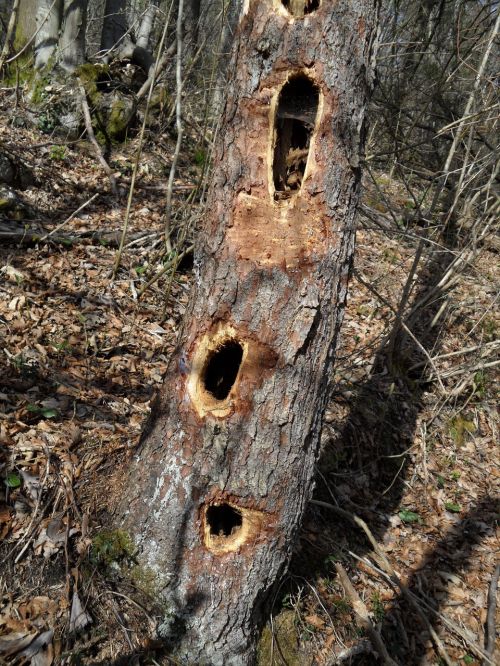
<point x="109" y="112"/>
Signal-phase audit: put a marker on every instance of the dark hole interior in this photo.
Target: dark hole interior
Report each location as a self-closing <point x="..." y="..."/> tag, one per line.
<point x="222" y="369"/>
<point x="295" y="119"/>
<point x="299" y="8"/>
<point x="223" y="520"/>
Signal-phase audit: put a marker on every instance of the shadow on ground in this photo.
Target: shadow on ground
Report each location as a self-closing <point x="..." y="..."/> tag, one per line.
<point x="363" y="470"/>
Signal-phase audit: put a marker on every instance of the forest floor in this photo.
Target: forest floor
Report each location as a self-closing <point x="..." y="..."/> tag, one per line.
<point x="410" y="445"/>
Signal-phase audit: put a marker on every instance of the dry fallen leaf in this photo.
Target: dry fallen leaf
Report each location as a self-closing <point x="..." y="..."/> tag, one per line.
<point x="315" y="621"/>
<point x="79" y="619"/>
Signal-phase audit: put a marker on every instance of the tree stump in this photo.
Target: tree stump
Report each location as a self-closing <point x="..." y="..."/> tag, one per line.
<point x="219" y="484"/>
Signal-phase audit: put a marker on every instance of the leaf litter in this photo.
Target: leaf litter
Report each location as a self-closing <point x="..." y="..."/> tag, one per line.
<point x="82" y="358"/>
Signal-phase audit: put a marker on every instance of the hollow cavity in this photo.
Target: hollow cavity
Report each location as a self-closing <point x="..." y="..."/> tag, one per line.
<point x="299" y="8"/>
<point x="295" y="119"/>
<point x="223" y="520"/>
<point x="222" y="368"/>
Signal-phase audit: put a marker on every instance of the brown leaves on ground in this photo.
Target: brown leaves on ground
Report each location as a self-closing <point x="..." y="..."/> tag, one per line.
<point x="82" y="357"/>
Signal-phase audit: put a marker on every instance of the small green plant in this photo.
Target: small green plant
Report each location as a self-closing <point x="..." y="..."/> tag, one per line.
<point x="453" y="507"/>
<point x="44" y="412"/>
<point x="200" y="157"/>
<point x="341" y="606"/>
<point x="479" y="384"/>
<point x="467" y="659"/>
<point x="12" y="480"/>
<point x="27" y="368"/>
<point x="47" y="122"/>
<point x="57" y="153"/>
<point x="378" y="609"/>
<point x="62" y="347"/>
<point x="409" y="516"/>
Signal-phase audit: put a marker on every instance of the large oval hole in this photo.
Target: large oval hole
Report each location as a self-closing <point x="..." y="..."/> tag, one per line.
<point x="294" y="125"/>
<point x="223" y="520"/>
<point x="222" y="368"/>
<point x="299" y="8"/>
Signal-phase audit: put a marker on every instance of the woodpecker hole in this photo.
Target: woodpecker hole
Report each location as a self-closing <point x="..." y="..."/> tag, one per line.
<point x="222" y="368"/>
<point x="223" y="520"/>
<point x="300" y="8"/>
<point x="295" y="119"/>
<point x="227" y="527"/>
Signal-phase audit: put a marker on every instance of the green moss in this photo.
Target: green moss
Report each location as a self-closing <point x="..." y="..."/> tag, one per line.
<point x="39" y="81"/>
<point x="20" y="38"/>
<point x="118" y="120"/>
<point x="160" y="98"/>
<point x="286" y="637"/>
<point x="90" y="74"/>
<point x="458" y="428"/>
<point x="22" y="67"/>
<point x="145" y="580"/>
<point x="111" y="546"/>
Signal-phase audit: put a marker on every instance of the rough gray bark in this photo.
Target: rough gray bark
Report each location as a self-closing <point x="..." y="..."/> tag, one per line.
<point x="220" y="482"/>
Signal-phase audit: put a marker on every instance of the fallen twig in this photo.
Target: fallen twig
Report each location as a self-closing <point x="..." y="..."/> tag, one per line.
<point x="74" y="214"/>
<point x="363" y="616"/>
<point x="490" y="633"/>
<point x="93" y="140"/>
<point x="173" y="262"/>
<point x="33" y="237"/>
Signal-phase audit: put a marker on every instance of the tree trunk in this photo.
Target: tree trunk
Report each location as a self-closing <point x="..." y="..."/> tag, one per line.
<point x="48" y="22"/>
<point x="225" y="469"/>
<point x="146" y="25"/>
<point x="191" y="25"/>
<point x="116" y="38"/>
<point x="114" y="25"/>
<point x="10" y="32"/>
<point x="72" y="42"/>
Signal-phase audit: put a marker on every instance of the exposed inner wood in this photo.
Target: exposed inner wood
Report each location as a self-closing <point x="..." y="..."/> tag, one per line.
<point x="226" y="527"/>
<point x="287" y="235"/>
<point x="215" y="371"/>
<point x="295" y="120"/>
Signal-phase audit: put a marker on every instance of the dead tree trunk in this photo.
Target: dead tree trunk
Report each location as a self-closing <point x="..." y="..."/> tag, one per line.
<point x="222" y="477"/>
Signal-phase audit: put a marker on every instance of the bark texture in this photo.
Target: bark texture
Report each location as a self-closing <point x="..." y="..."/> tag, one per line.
<point x="48" y="22"/>
<point x="72" y="42"/>
<point x="221" y="479"/>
